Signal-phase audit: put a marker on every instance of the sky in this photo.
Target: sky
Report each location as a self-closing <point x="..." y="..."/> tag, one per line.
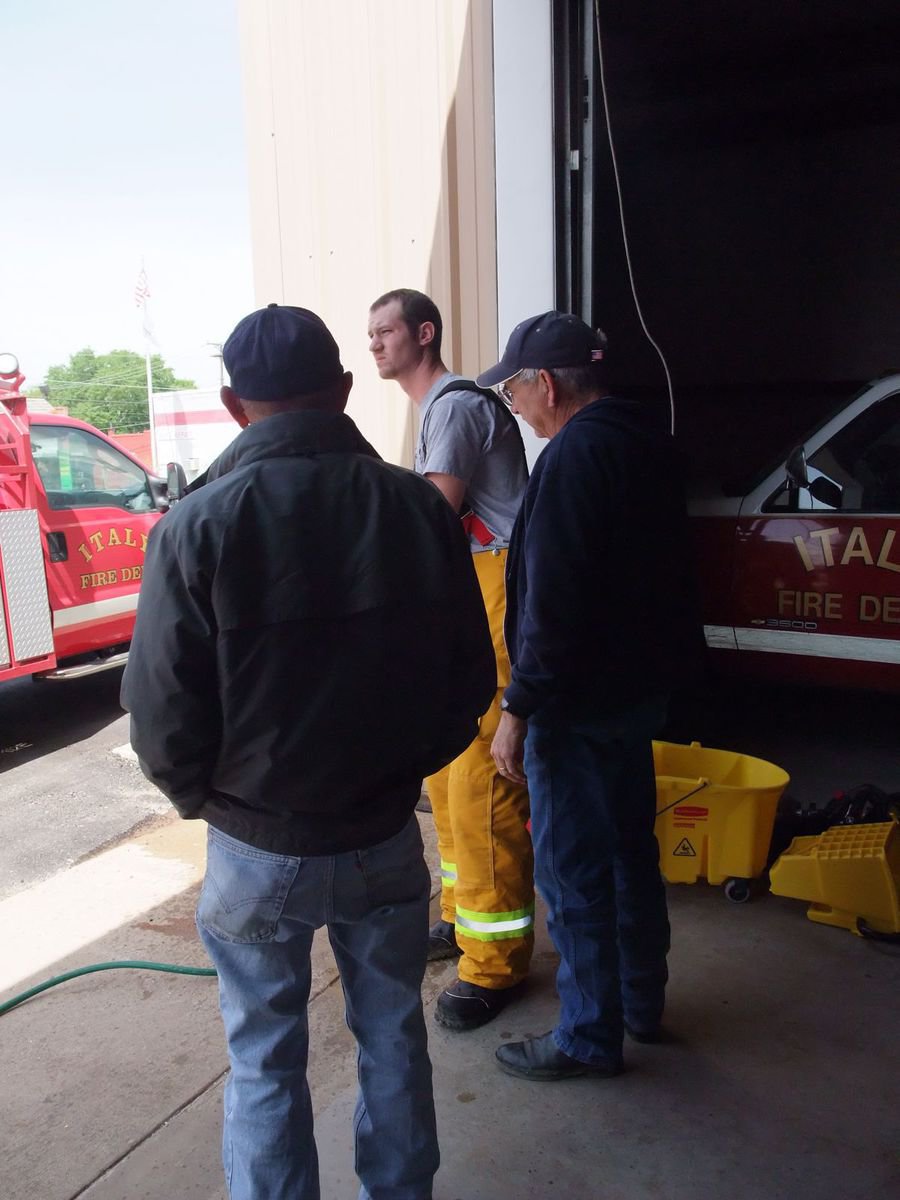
<point x="122" y="144"/>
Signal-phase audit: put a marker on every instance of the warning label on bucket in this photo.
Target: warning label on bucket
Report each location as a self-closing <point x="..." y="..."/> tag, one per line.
<point x="684" y="849"/>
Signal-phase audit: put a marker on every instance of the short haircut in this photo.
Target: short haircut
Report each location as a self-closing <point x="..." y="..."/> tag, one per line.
<point x="415" y="309"/>
<point x="580" y="381"/>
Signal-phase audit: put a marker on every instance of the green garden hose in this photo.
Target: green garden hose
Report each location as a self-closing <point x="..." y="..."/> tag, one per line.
<point x="172" y="968"/>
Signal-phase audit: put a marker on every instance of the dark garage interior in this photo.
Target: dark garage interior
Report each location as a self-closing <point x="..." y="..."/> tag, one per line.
<point x="758" y="150"/>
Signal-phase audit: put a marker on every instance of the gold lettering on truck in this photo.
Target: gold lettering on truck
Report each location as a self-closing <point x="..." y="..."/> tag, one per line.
<point x="880" y="608"/>
<point x="834" y="606"/>
<point x="885" y="551"/>
<point x="803" y="552"/>
<point x="99" y="579"/>
<point x="825" y="536"/>
<point x="117" y="537"/>
<point x="810" y="604"/>
<point x="869" y="608"/>
<point x="857" y="547"/>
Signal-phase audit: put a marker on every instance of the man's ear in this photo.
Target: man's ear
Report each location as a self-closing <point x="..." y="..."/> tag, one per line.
<point x="232" y="401"/>
<point x="344" y="389"/>
<point x="550" y="390"/>
<point x="426" y="333"/>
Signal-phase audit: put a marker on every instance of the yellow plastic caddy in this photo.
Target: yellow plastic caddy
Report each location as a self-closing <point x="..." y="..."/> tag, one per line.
<point x="715" y="811"/>
<point x="850" y="874"/>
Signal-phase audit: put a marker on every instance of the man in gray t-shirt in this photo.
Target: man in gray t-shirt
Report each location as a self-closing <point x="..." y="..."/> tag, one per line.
<point x="470" y="447"/>
<point x="464" y="434"/>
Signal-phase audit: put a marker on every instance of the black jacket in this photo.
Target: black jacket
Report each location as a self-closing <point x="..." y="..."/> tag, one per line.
<point x="601" y="602"/>
<point x="310" y="642"/>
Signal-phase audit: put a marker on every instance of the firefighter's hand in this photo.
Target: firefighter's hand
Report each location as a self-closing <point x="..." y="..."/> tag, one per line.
<point x="508" y="747"/>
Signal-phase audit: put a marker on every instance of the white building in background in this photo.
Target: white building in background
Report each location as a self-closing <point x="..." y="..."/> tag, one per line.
<point x="190" y="427"/>
<point x="386" y="144"/>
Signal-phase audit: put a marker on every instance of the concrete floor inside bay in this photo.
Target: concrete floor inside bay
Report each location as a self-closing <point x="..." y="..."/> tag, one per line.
<point x="781" y="1083"/>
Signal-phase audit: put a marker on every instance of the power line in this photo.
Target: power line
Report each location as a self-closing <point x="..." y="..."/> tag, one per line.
<point x="128" y="387"/>
<point x="115" y="428"/>
<point x="102" y="379"/>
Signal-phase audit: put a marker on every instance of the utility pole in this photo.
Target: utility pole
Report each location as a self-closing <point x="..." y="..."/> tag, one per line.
<point x="154" y="448"/>
<point x="218" y="346"/>
<point x="141" y="293"/>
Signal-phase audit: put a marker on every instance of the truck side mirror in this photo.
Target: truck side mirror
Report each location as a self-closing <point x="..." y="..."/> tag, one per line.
<point x="176" y="482"/>
<point x="826" y="491"/>
<point x="795" y="467"/>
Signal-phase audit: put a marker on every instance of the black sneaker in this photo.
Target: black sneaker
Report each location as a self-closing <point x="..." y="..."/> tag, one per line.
<point x="468" y="1006"/>
<point x="442" y="941"/>
<point x="541" y="1059"/>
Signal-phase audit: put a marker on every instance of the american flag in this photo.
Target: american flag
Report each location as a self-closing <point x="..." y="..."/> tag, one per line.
<point x="141" y="289"/>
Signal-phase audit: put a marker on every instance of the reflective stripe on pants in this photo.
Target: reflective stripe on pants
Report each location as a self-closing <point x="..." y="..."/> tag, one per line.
<point x="490" y="927"/>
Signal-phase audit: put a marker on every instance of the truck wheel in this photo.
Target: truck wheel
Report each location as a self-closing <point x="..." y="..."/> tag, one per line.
<point x="737" y="890"/>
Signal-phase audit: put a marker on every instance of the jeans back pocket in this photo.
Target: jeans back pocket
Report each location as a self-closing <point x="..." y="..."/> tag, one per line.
<point x="244" y="890"/>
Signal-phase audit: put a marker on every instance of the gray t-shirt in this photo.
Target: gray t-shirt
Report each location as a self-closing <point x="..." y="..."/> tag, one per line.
<point x="467" y="435"/>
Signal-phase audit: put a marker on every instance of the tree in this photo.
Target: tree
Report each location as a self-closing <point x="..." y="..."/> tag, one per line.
<point x="110" y="390"/>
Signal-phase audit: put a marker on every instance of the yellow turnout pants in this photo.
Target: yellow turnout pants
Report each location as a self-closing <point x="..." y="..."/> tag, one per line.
<point x="487" y="866"/>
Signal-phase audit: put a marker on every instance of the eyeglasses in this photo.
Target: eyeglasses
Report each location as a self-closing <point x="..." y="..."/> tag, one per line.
<point x="503" y="391"/>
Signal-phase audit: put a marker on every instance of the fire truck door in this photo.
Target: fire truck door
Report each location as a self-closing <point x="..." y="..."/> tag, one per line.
<point x="99" y="511"/>
<point x="818" y="563"/>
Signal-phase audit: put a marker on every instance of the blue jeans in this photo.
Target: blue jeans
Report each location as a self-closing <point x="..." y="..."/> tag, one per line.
<point x="256" y="915"/>
<point x="593" y="807"/>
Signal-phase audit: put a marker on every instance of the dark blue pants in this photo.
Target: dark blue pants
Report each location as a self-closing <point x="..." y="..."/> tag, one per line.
<point x="593" y="806"/>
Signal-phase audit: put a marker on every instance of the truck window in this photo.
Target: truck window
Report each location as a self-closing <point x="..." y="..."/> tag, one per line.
<point x="862" y="459"/>
<point x="79" y="470"/>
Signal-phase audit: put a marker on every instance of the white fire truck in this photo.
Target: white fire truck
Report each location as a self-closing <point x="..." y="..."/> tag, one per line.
<point x="75" y="513"/>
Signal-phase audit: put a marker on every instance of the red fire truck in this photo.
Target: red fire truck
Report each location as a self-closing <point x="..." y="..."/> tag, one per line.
<point x="800" y="570"/>
<point x="75" y="513"/>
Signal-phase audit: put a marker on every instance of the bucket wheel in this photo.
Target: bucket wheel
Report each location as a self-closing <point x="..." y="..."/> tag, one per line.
<point x="737" y="890"/>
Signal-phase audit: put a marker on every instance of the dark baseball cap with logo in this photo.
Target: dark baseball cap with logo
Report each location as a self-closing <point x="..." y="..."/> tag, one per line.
<point x="281" y="351"/>
<point x="551" y="339"/>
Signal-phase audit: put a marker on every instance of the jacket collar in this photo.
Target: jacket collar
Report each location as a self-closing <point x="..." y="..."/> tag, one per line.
<point x="300" y="434"/>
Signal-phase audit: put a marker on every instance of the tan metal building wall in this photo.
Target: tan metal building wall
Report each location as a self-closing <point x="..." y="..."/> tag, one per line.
<point x="371" y="162"/>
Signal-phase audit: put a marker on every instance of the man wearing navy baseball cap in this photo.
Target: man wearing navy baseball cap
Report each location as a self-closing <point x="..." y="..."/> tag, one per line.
<point x="601" y="623"/>
<point x="292" y="609"/>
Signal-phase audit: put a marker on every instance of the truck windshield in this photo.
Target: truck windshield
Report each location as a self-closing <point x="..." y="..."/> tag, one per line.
<point x="80" y="470"/>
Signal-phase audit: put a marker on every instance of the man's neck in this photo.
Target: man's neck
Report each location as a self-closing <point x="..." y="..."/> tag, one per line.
<point x="570" y="408"/>
<point x="418" y="382"/>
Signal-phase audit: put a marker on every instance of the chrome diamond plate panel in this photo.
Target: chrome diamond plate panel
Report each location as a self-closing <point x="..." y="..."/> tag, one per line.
<point x="28" y="606"/>
<point x="4" y="640"/>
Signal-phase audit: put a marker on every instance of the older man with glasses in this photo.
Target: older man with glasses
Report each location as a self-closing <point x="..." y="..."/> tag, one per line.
<point x="600" y="624"/>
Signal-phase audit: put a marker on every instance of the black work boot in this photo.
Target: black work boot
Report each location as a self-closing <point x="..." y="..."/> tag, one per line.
<point x="540" y="1058"/>
<point x="442" y="941"/>
<point x="468" y="1006"/>
<point x="652" y="1036"/>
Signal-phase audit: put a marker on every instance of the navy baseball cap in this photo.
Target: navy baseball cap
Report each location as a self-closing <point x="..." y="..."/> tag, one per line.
<point x="281" y="351"/>
<point x="551" y="339"/>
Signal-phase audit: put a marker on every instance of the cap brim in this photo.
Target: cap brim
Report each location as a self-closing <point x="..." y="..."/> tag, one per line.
<point x="497" y="374"/>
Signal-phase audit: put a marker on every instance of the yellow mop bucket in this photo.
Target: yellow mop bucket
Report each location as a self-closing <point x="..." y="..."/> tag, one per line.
<point x="849" y="875"/>
<point x="715" y="811"/>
